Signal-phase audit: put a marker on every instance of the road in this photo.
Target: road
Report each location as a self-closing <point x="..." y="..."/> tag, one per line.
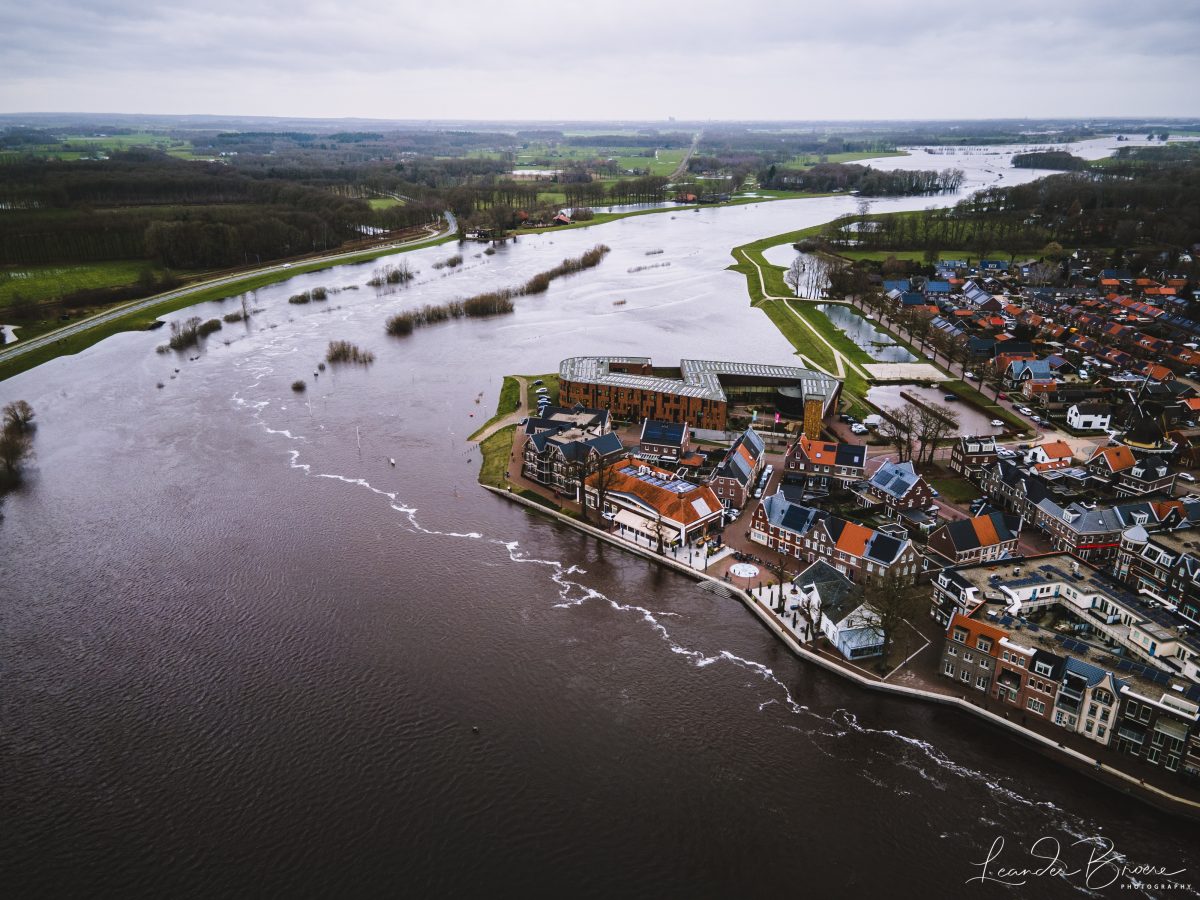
<point x="512" y="418"/>
<point x="687" y="157"/>
<point x="16" y="350"/>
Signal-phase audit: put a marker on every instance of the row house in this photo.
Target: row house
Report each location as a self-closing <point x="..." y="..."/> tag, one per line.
<point x="664" y="441"/>
<point x="1027" y="678"/>
<point x="1136" y="710"/>
<point x="1148" y="476"/>
<point x="969" y="455"/>
<point x="856" y="551"/>
<point x="898" y="487"/>
<point x="1164" y="567"/>
<point x="826" y="465"/>
<point x="983" y="538"/>
<point x="735" y="477"/>
<point x="1087" y="700"/>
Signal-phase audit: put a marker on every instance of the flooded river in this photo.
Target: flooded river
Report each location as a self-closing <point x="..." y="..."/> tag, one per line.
<point x="241" y="653"/>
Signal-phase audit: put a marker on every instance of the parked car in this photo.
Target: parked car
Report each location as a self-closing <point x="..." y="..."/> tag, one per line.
<point x="537" y="381"/>
<point x="949" y="398"/>
<point x="1005" y="453"/>
<point x="969" y="375"/>
<point x="996" y="423"/>
<point x="934" y="492"/>
<point x="1002" y="396"/>
<point x="856" y="428"/>
<point x="1022" y="446"/>
<point x="543" y="390"/>
<point x="1186" y="476"/>
<point x="1037" y="420"/>
<point x="1025" y="410"/>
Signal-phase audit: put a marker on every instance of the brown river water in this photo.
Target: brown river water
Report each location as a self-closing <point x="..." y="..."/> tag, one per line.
<point x="242" y="654"/>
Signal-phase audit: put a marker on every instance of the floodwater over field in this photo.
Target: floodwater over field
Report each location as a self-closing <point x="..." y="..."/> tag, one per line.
<point x="242" y="653"/>
<point x="879" y="344"/>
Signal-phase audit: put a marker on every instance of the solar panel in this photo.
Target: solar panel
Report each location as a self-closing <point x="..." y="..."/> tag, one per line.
<point x="1062" y="639"/>
<point x="1033" y="627"/>
<point x="1123" y="666"/>
<point x="1007" y="620"/>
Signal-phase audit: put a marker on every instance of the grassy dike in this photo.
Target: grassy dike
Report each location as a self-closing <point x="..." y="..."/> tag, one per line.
<point x="496" y="451"/>
<point x="141" y="319"/>
<point x="510" y="396"/>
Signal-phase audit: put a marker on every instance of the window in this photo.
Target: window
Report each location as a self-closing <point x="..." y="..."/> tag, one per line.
<point x="951" y="650"/>
<point x="950" y="668"/>
<point x="1100" y="731"/>
<point x="968" y="657"/>
<point x="960" y="635"/>
<point x="1092" y="710"/>
<point x="981" y="682"/>
<point x="984" y="644"/>
<point x="966" y="676"/>
<point x="985" y="663"/>
<point x="1036" y="705"/>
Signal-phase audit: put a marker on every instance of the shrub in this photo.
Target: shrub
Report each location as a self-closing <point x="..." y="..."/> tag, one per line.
<point x="184" y="334"/>
<point x="234" y="317"/>
<point x="319" y="293"/>
<point x="344" y="351"/>
<point x="304" y="297"/>
<point x="400" y="324"/>
<point x="299" y="386"/>
<point x="207" y="328"/>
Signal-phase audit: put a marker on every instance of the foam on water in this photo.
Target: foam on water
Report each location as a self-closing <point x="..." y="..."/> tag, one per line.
<point x="930" y="764"/>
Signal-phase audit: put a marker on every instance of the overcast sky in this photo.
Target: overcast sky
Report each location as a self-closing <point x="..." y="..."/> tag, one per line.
<point x="643" y="59"/>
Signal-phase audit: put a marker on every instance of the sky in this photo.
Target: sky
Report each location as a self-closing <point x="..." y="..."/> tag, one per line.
<point x="621" y="59"/>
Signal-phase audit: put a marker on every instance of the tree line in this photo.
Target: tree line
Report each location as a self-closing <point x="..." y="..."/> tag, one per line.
<point x="830" y="177"/>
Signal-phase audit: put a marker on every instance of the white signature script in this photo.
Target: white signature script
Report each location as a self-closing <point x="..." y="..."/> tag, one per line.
<point x="1102" y="867"/>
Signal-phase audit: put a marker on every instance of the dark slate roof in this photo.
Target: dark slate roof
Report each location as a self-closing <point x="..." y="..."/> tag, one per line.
<point x="666" y="433"/>
<point x="838" y="594"/>
<point x="894" y="479"/>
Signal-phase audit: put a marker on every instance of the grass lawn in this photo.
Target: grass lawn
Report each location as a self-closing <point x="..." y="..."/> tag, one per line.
<point x="912" y="255"/>
<point x="384" y="202"/>
<point x="496" y="451"/>
<point x="550" y="383"/>
<point x="808" y="160"/>
<point x="955" y="490"/>
<point x="41" y="283"/>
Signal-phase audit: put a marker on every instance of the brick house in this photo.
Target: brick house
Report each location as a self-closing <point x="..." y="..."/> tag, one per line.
<point x="826" y="465"/>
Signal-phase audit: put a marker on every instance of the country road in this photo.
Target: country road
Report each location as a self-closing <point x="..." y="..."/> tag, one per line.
<point x="16" y="350"/>
<point x="683" y="164"/>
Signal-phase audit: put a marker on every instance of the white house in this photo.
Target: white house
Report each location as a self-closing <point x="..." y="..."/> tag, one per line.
<point x="848" y="623"/>
<point x="1089" y="416"/>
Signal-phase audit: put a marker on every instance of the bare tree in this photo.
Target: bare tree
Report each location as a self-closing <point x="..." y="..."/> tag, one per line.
<point x="893" y="599"/>
<point x="899" y="429"/>
<point x="933" y="425"/>
<point x="795" y="274"/>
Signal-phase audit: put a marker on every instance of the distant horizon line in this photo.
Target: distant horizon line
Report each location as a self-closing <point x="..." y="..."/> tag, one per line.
<point x="1092" y="120"/>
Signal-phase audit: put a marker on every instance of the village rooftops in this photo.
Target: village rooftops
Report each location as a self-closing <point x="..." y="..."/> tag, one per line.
<point x="1007" y="587"/>
<point x="699" y="378"/>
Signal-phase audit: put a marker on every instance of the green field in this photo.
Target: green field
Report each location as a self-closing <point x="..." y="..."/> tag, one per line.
<point x="41" y="283"/>
<point x="80" y="146"/>
<point x="384" y="202"/>
<point x="496" y="450"/>
<point x="808" y="160"/>
<point x="663" y="162"/>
